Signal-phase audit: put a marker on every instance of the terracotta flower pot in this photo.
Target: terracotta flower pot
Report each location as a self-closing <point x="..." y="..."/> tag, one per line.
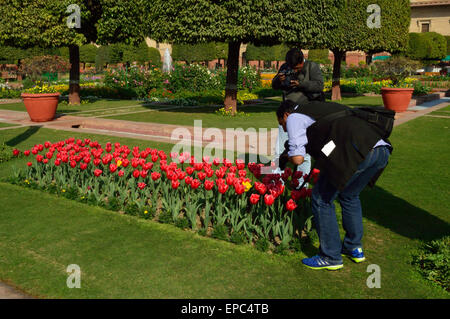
<point x="396" y="99"/>
<point x="41" y="107"/>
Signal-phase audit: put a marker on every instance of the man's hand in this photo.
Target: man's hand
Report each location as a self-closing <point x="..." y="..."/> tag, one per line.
<point x="294" y="83"/>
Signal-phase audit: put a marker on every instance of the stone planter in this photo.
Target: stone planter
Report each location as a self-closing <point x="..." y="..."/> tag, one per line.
<point x="41" y="107"/>
<point x="396" y="99"/>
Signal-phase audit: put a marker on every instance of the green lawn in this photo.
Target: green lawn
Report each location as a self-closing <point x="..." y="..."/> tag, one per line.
<point x="6" y="125"/>
<point x="124" y="257"/>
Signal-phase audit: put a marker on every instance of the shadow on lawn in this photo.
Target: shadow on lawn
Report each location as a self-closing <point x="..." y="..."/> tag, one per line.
<point x="401" y="217"/>
<point x="31" y="130"/>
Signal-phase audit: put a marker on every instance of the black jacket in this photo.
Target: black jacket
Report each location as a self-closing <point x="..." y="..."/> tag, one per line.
<point x="311" y="83"/>
<point x="353" y="138"/>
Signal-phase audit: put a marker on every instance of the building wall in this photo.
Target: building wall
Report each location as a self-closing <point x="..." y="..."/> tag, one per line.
<point x="438" y="16"/>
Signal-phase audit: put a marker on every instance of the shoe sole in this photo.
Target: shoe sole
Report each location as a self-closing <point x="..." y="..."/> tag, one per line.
<point x="354" y="259"/>
<point x="336" y="267"/>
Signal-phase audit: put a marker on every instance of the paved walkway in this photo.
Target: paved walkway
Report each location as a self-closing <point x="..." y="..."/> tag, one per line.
<point x="7" y="292"/>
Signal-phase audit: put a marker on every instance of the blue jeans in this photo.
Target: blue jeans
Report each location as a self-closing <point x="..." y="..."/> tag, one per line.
<point x="322" y="203"/>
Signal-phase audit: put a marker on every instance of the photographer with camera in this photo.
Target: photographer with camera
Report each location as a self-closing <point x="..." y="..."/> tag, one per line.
<point x="301" y="81"/>
<point x="351" y="149"/>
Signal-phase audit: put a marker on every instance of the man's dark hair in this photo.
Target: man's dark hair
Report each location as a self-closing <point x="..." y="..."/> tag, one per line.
<point x="294" y="56"/>
<point x="286" y="107"/>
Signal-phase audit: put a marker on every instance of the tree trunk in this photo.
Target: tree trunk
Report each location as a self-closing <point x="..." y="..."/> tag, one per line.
<point x="74" y="82"/>
<point x="336" y="81"/>
<point x="232" y="76"/>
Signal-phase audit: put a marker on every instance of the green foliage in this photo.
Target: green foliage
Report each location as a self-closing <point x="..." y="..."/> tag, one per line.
<point x="199" y="52"/>
<point x="447" y="38"/>
<point x="238" y="238"/>
<point x="220" y="232"/>
<point x="182" y="223"/>
<point x="154" y="57"/>
<point x="88" y="52"/>
<point x="433" y="261"/>
<point x="427" y="46"/>
<point x="262" y="244"/>
<point x="319" y="56"/>
<point x="6" y="153"/>
<point x="165" y="217"/>
<point x="102" y="58"/>
<point x="353" y="32"/>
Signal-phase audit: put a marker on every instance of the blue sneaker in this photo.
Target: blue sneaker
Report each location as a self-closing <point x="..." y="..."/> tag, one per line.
<point x="357" y="255"/>
<point x="317" y="262"/>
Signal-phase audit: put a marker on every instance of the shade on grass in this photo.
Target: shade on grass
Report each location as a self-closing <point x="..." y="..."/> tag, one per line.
<point x="124" y="257"/>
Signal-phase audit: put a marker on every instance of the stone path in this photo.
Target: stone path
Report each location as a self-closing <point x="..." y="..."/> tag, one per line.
<point x="7" y="292"/>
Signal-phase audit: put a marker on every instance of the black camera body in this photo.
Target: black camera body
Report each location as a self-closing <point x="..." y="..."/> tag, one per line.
<point x="291" y="75"/>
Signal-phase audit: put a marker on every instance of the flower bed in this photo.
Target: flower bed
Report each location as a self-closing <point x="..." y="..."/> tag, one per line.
<point x="215" y="198"/>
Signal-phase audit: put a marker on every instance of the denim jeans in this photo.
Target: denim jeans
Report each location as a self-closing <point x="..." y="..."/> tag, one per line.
<point x="322" y="203"/>
<point x="305" y="167"/>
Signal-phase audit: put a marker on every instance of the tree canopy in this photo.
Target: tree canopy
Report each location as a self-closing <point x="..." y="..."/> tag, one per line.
<point x="27" y="23"/>
<point x="262" y="22"/>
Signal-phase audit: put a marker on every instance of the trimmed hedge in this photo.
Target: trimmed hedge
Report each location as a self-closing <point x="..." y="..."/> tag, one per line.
<point x="427" y="46"/>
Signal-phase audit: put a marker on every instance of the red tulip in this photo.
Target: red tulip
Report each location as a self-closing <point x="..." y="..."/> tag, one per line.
<point x="269" y="199"/>
<point x="291" y="205"/>
<point x="112" y="168"/>
<point x="144" y="173"/>
<point x="189" y="170"/>
<point x="29" y="163"/>
<point x="209" y="172"/>
<point x="216" y="161"/>
<point x="73" y="164"/>
<point x="121" y="173"/>
<point x="154" y="158"/>
<point x="141" y="185"/>
<point x="57" y="162"/>
<point x="239" y="188"/>
<point x="254" y="199"/>
<point x="97" y="161"/>
<point x="45" y="161"/>
<point x="195" y="183"/>
<point x="209" y="185"/>
<point x="188" y="180"/>
<point x="242" y="173"/>
<point x="98" y="172"/>
<point x="223" y="188"/>
<point x="261" y="188"/>
<point x="240" y="164"/>
<point x="26" y="153"/>
<point x="201" y="176"/>
<point x="16" y="152"/>
<point x="175" y="184"/>
<point x="181" y="175"/>
<point x="136" y="173"/>
<point x="198" y="166"/>
<point x="155" y="176"/>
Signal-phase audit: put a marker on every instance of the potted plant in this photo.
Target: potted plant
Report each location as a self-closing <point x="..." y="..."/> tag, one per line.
<point x="42" y="99"/>
<point x="397" y="95"/>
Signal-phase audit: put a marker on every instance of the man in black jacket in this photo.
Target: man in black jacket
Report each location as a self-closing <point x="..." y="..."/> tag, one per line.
<point x="305" y="80"/>
<point x="301" y="81"/>
<point x="349" y="153"/>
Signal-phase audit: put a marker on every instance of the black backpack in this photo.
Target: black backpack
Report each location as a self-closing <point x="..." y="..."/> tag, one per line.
<point x="379" y="118"/>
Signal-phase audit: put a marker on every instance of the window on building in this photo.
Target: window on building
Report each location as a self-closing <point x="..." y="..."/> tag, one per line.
<point x="425" y="27"/>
